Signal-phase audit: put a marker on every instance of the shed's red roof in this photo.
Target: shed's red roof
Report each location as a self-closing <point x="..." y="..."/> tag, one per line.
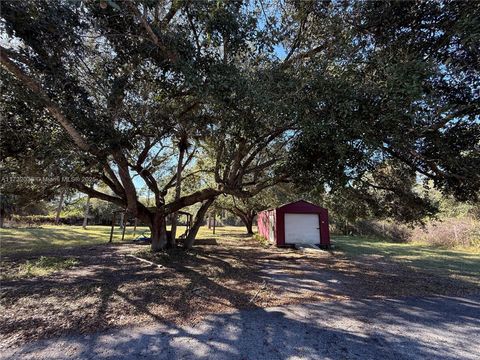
<point x="300" y="202"/>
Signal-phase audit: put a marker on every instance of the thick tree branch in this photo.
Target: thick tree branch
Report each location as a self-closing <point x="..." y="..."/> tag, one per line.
<point x="126" y="179"/>
<point x="113" y="187"/>
<point x="305" y="55"/>
<point x="150" y="182"/>
<point x="117" y="186"/>
<point x="52" y="108"/>
<point x="99" y="195"/>
<point x="191" y="199"/>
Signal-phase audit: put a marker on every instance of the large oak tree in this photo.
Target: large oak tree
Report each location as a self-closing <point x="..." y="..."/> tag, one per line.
<point x="359" y="95"/>
<point x="139" y="89"/>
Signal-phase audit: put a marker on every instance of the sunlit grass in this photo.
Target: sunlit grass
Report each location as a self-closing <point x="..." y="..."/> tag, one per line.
<point x="461" y="262"/>
<point x="50" y="237"/>
<point x="39" y="267"/>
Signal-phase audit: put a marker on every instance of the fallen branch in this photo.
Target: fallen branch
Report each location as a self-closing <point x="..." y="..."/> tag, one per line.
<point x="145" y="261"/>
<point x="264" y="285"/>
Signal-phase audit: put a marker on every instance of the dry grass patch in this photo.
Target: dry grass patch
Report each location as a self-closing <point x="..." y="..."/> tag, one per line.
<point x="42" y="266"/>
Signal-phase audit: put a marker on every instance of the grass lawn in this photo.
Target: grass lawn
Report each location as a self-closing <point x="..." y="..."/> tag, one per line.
<point x="51" y="237"/>
<point x="48" y="237"/>
<point x="462" y="262"/>
<point x="457" y="262"/>
<point x="42" y="266"/>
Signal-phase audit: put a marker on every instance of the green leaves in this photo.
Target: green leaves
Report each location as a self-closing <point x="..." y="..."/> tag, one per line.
<point x="396" y="102"/>
<point x="342" y="90"/>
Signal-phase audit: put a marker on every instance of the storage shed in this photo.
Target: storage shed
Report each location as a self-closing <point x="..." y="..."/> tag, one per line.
<point x="299" y="222"/>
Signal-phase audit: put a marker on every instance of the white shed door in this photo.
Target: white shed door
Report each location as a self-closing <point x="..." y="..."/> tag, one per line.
<point x="302" y="229"/>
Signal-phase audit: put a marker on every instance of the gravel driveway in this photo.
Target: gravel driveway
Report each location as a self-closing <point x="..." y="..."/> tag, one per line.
<point x="409" y="328"/>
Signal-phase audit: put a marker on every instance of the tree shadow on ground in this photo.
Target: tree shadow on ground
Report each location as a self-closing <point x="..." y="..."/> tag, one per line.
<point x="114" y="290"/>
<point x="111" y="285"/>
<point x="397" y="329"/>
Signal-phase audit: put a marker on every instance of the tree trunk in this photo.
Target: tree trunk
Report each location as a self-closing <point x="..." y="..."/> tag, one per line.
<point x="2" y="217"/>
<point x="214" y="222"/>
<point x="122" y="220"/>
<point x="158" y="231"/>
<point x="192" y="234"/>
<point x="249" y="225"/>
<point x="178" y="189"/>
<point x="248" y="222"/>
<point x="85" y="214"/>
<point x="59" y="207"/>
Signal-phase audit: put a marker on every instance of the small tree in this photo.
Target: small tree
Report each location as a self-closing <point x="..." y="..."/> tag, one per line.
<point x="247" y="208"/>
<point x="86" y="212"/>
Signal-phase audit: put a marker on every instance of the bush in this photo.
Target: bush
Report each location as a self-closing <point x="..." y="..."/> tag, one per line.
<point x="335" y="229"/>
<point x="262" y="240"/>
<point x="35" y="220"/>
<point x="390" y="231"/>
<point x="450" y="233"/>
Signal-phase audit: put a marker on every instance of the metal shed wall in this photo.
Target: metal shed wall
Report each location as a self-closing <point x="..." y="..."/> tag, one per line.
<point x="266" y="227"/>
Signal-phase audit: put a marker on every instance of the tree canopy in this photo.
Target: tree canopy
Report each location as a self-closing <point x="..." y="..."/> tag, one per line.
<point x="397" y="104"/>
<point x="233" y="97"/>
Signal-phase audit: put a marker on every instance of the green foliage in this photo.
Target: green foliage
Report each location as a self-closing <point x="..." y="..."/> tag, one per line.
<point x="33" y="219"/>
<point x="360" y="100"/>
<point x="402" y="105"/>
<point x="29" y="220"/>
<point x="451" y="208"/>
<point x="262" y="241"/>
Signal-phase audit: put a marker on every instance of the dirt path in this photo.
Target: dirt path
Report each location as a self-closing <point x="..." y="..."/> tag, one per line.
<point x="408" y="328"/>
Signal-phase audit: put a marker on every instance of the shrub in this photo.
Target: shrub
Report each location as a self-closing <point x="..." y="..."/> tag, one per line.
<point x="335" y="229"/>
<point x="262" y="240"/>
<point x="450" y="233"/>
<point x="35" y="220"/>
<point x="390" y="231"/>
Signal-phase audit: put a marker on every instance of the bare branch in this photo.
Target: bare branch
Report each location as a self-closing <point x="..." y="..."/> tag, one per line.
<point x="172" y="182"/>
